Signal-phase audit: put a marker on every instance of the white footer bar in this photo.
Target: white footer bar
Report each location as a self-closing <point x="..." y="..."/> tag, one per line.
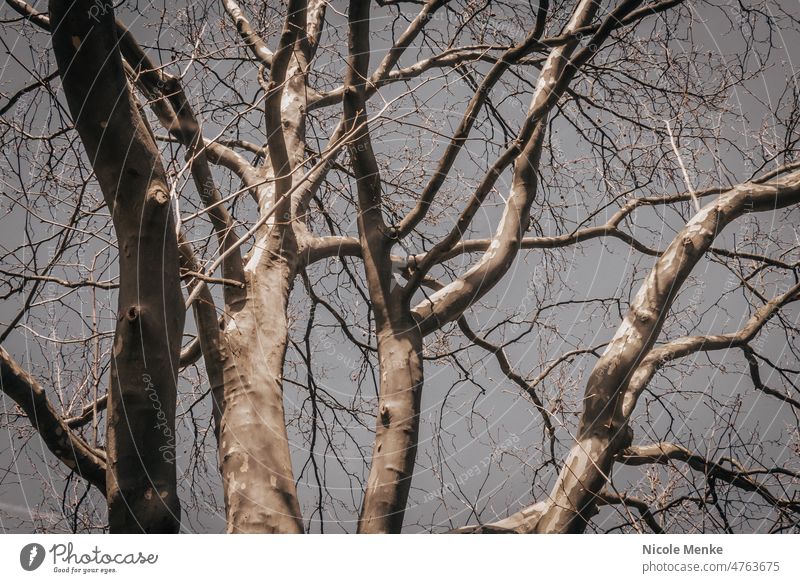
<point x="404" y="558"/>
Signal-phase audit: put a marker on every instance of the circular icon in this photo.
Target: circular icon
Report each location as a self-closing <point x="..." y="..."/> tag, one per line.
<point x="31" y="556"/>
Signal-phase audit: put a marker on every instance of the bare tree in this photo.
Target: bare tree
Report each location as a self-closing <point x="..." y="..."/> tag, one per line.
<point x="409" y="163"/>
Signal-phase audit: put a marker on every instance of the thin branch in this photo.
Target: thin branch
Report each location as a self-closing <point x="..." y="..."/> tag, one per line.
<point x="665" y="453"/>
<point x="68" y="447"/>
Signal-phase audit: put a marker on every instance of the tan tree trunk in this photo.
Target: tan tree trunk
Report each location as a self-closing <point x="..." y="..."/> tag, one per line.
<point x="141" y="474"/>
<point x="260" y="494"/>
<point x="255" y="459"/>
<point x="396" y="429"/>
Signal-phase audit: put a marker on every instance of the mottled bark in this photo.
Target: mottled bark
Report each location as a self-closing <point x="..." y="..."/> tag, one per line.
<point x="396" y="429"/>
<point x="254" y="447"/>
<point x="255" y="460"/>
<point x="141" y="477"/>
<point x="244" y="360"/>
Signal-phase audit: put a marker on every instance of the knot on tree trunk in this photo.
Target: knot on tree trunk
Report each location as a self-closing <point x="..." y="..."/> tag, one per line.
<point x="132" y="314"/>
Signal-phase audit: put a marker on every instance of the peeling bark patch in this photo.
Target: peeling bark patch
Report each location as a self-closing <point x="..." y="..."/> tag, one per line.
<point x="160" y="196"/>
<point x="119" y="345"/>
<point x="442" y="293"/>
<point x="255" y="258"/>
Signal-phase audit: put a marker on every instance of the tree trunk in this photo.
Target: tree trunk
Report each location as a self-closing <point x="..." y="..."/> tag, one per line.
<point x="256" y="466"/>
<point x="255" y="459"/>
<point x="399" y="337"/>
<point x="140" y="440"/>
<point x="397" y="428"/>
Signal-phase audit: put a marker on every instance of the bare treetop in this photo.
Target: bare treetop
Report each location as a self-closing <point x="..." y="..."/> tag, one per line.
<point x="328" y="266"/>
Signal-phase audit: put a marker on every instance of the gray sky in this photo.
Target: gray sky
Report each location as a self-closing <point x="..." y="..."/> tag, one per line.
<point x="481" y="441"/>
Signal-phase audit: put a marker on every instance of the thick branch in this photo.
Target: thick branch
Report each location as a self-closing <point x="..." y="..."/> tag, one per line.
<point x="276" y="142"/>
<point x="253" y="41"/>
<point x="461" y="134"/>
<point x="399" y="340"/>
<point x="666" y="453"/>
<point x="450" y="302"/>
<point x="617" y="378"/>
<point x="55" y="432"/>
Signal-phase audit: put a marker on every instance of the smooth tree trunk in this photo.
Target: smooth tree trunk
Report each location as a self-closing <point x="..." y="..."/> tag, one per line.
<point x="397" y="427"/>
<point x="399" y="337"/>
<point x="140" y="441"/>
<point x="244" y="357"/>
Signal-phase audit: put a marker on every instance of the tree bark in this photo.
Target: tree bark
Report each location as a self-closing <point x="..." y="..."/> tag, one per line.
<point x="256" y="466"/>
<point x="397" y="428"/>
<point x="399" y="337"/>
<point x="613" y="386"/>
<point x="140" y="441"/>
<point x="255" y="459"/>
